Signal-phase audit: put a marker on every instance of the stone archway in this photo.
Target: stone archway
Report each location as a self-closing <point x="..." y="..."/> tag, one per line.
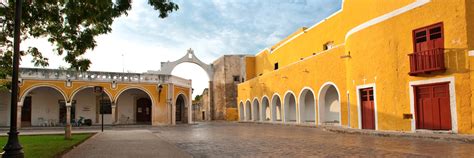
<point x="167" y="67"/>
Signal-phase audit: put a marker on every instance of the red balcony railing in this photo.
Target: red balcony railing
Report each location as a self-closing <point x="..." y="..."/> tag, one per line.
<point x="427" y="61"/>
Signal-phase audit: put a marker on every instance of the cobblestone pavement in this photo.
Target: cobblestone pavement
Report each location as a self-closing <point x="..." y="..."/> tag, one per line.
<point x="260" y="140"/>
<point x="127" y="144"/>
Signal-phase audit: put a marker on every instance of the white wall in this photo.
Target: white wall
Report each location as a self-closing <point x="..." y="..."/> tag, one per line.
<point x="87" y="106"/>
<point x="290" y="108"/>
<point x="5" y="108"/>
<point x="126" y="105"/>
<point x="45" y="104"/>
<point x="307" y="107"/>
<point x="332" y="106"/>
<point x="256" y="111"/>
<point x="241" y="111"/>
<point x="266" y="112"/>
<point x="276" y="108"/>
<point x="248" y="111"/>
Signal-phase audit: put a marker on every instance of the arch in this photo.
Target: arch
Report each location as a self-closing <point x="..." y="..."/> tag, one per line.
<point x="134" y="87"/>
<point x="289" y="106"/>
<point x="329" y="109"/>
<point x="74" y="93"/>
<point x="190" y="57"/>
<point x="180" y="112"/>
<point x="140" y="109"/>
<point x="25" y="93"/>
<point x="248" y="110"/>
<point x="266" y="110"/>
<point x="307" y="105"/>
<point x="276" y="108"/>
<point x="48" y="103"/>
<point x="241" y="111"/>
<point x="255" y="109"/>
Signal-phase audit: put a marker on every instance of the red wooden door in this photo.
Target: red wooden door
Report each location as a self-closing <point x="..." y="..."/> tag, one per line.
<point x="428" y="38"/>
<point x="433" y="107"/>
<point x="144" y="110"/>
<point x="367" y="108"/>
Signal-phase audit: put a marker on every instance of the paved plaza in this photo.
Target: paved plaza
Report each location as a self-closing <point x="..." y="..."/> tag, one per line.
<point x="230" y="139"/>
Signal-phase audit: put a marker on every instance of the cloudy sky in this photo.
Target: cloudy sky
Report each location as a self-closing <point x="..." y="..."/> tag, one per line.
<point x="212" y="28"/>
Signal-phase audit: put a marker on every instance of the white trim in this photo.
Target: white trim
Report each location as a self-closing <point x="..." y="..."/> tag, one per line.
<point x="299" y="98"/>
<point x="253" y="110"/>
<point x="387" y="16"/>
<point x="359" y="112"/>
<point x="74" y="93"/>
<point x="272" y="106"/>
<point x="265" y="49"/>
<point x="25" y="93"/>
<point x="139" y="88"/>
<point x="319" y="100"/>
<point x="241" y="111"/>
<point x="471" y="53"/>
<point x="284" y="106"/>
<point x="310" y="28"/>
<point x="452" y="100"/>
<point x="265" y="111"/>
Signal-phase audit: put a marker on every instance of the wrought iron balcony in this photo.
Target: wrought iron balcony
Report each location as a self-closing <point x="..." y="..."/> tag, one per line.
<point x="425" y="62"/>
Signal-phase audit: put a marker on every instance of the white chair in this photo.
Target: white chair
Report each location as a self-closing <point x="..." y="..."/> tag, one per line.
<point x="42" y="122"/>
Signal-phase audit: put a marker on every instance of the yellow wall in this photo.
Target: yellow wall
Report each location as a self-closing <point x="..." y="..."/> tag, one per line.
<point x="378" y="56"/>
<point x="160" y="108"/>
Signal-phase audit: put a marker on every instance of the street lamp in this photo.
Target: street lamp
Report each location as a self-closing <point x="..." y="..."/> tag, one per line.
<point x="13" y="148"/>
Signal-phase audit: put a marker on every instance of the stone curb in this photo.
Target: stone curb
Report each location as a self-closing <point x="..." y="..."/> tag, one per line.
<point x="435" y="136"/>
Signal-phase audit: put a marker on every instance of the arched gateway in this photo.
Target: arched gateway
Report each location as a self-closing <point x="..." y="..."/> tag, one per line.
<point x="167" y="67"/>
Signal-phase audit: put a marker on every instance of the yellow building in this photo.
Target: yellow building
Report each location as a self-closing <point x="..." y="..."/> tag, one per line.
<point x="50" y="97"/>
<point x="402" y="65"/>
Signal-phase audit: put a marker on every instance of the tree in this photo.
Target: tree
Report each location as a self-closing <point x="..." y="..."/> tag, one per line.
<point x="70" y="25"/>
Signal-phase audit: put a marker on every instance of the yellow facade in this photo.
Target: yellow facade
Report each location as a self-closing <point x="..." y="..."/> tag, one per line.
<point x="160" y="104"/>
<point x="371" y="42"/>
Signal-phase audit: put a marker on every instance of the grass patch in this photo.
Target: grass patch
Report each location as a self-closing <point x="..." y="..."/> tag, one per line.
<point x="46" y="145"/>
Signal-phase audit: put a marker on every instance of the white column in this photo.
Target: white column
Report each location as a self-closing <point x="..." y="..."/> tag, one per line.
<point x="190" y="106"/>
<point x="68" y="129"/>
<point x="114" y="113"/>
<point x="172" y="103"/>
<point x="18" y="116"/>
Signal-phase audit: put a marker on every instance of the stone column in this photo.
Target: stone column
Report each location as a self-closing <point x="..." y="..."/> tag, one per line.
<point x="18" y="115"/>
<point x="114" y="113"/>
<point x="172" y="103"/>
<point x="211" y="100"/>
<point x="68" y="129"/>
<point x="190" y="106"/>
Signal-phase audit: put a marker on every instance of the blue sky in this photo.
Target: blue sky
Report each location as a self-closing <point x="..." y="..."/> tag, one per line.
<point x="212" y="28"/>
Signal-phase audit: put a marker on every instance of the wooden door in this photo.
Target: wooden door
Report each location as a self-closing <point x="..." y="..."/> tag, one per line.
<point x="179" y="109"/>
<point x="26" y="111"/>
<point x="367" y="108"/>
<point x="144" y="110"/>
<point x="428" y="38"/>
<point x="433" y="107"/>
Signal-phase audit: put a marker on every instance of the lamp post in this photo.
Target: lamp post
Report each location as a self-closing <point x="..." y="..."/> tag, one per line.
<point x="13" y="148"/>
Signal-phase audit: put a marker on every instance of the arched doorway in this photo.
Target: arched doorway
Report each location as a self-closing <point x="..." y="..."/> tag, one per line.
<point x="44" y="106"/>
<point x="256" y="110"/>
<point x="180" y="109"/>
<point x="134" y="106"/>
<point x="290" y="107"/>
<point x="329" y="105"/>
<point x="276" y="108"/>
<point x="307" y="106"/>
<point x="266" y="111"/>
<point x="241" y="111"/>
<point x="248" y="111"/>
<point x="87" y="105"/>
